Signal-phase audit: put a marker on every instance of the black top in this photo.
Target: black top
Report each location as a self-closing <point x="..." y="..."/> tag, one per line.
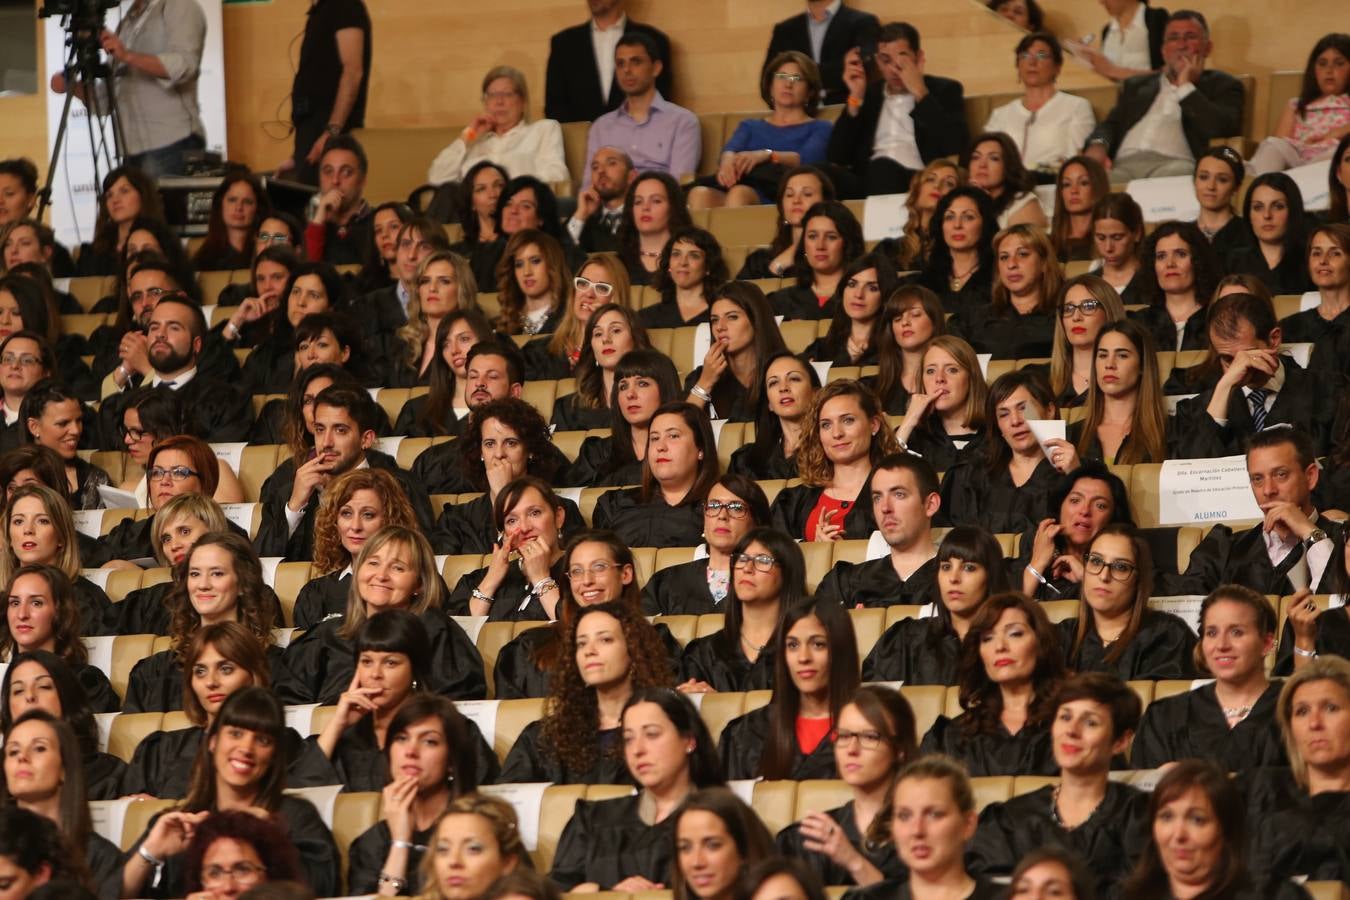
<point x="570" y="415"/>
<point x="440" y="470"/>
<point x="793" y="505"/>
<point x="102" y="775"/>
<point x="314" y="90"/>
<point x="467" y="527"/>
<point x="756" y="266"/>
<point x="321" y="598"/>
<point x="713" y="659"/>
<point x="1330" y="339"/>
<point x="666" y="314"/>
<point x="1230" y="237"/>
<point x="791" y="844"/>
<point x="931" y="441"/>
<point x="146" y="610"/>
<point x="156" y="683"/>
<point x="1026" y="753"/>
<point x="876" y="583"/>
<point x="572" y="83"/>
<point x="1226" y="556"/>
<point x="531" y="759"/>
<point x="915" y="651"/>
<point x="595" y="467"/>
<point x="162" y="763"/>
<point x="940" y="127"/>
<point x="360" y="764"/>
<point x="654" y="524"/>
<point x="799" y="302"/>
<point x="763" y="464"/>
<point x="1193" y="725"/>
<point x="93" y="604"/>
<point x="679" y="590"/>
<point x="1294" y="833"/>
<point x="1290" y="276"/>
<point x="410" y="420"/>
<point x="518" y="675"/>
<point x="1158" y="321"/>
<point x="217" y="411"/>
<point x="366" y="856"/>
<point x="731" y="401"/>
<point x="606" y="841"/>
<point x="1162" y="649"/>
<point x="541" y="364"/>
<point x="1110" y="842"/>
<point x="971" y="495"/>
<point x="97" y="689"/>
<point x="1006" y="334"/>
<point x="742" y="750"/>
<point x="892" y="889"/>
<point x="848" y="28"/>
<point x="510" y="599"/>
<point x="1333" y="639"/>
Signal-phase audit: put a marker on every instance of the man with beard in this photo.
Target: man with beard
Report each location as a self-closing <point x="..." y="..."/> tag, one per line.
<point x="580" y="84"/>
<point x="217" y="411"/>
<point x="595" y="225"/>
<point x="340" y="230"/>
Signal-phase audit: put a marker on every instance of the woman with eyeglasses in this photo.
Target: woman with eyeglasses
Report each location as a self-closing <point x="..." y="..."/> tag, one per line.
<point x="831" y="239"/>
<point x="717" y="837"/>
<point x="39" y="680"/>
<point x="235" y="852"/>
<point x="644" y="381"/>
<point x="1086" y="304"/>
<point x="596" y="283"/>
<point x="1181" y="273"/>
<point x="926" y="650"/>
<point x="54" y="418"/>
<point x="610" y="653"/>
<point x="767" y="578"/>
<point x="25" y="360"/>
<point x="744" y="332"/>
<point x="850" y="844"/>
<point x="29" y="302"/>
<point x="626" y="844"/>
<point x="735" y="505"/>
<point x="151" y="416"/>
<point x="1103" y="822"/>
<point x="599" y="569"/>
<point x="856" y="327"/>
<point x="815" y="674"/>
<point x="691" y="272"/>
<point x="1051" y="556"/>
<point x="1011" y="665"/>
<point x="1046" y="125"/>
<point x="612" y="332"/>
<point x="790" y="384"/>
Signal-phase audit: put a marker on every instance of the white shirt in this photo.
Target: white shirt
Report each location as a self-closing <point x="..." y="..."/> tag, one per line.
<point x="530" y="148"/>
<point x="11" y="415"/>
<point x="1307" y="572"/>
<point x="604" y="41"/>
<point x="1049" y="135"/>
<point x="178" y="380"/>
<point x="816" y="28"/>
<point x="895" y="137"/>
<point x="1160" y="130"/>
<point x="1128" y="47"/>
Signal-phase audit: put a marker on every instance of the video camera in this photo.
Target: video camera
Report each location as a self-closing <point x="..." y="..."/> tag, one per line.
<point x="86" y="16"/>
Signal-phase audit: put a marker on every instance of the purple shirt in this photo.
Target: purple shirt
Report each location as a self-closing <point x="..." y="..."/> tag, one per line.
<point x="669" y="141"/>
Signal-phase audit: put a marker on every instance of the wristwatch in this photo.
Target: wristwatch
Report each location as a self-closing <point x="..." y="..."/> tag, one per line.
<point x="332" y="130"/>
<point x="1317" y="536"/>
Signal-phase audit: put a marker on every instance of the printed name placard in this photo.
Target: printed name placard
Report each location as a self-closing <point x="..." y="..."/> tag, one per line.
<point x="1201" y="491"/>
<point x="527" y="798"/>
<point x="231" y="454"/>
<point x="1163" y="199"/>
<point x="1186" y="608"/>
<point x="884" y="216"/>
<point x="1313" y="184"/>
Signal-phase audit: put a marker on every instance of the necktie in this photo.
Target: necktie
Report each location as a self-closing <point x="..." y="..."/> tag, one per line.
<point x="1257" y="399"/>
<point x="610" y="220"/>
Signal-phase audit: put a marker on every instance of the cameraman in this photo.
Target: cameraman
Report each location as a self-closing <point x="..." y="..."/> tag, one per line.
<point x="156" y="55"/>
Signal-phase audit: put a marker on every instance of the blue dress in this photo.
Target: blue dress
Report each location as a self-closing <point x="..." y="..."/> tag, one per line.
<point x="808" y="139"/>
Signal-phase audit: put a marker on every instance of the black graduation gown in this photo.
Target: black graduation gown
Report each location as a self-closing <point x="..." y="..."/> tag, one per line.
<point x="1159" y="322"/>
<point x="102" y="775"/>
<point x="130" y="540"/>
<point x="936" y="445"/>
<point x="875" y="583"/>
<point x="366" y="856"/>
<point x="731" y="400"/>
<point x="680" y="590"/>
<point x="320" y="863"/>
<point x="1161" y="650"/>
<point x="1231" y="237"/>
<point x="217" y="410"/>
<point x="516" y="675"/>
<point x="1293" y="833"/>
<point x="94" y="605"/>
<point x="742" y="747"/>
<point x="1333" y="639"/>
<point x="971" y="495"/>
<point x="713" y="659"/>
<point x="143" y="611"/>
<point x="1333" y="488"/>
<point x="439" y="470"/>
<point x="360" y="764"/>
<point x="1239" y="557"/>
<point x="891" y="889"/>
<point x="756" y="266"/>
<point x="763" y="464"/>
<point x="793" y="505"/>
<point x="1026" y="753"/>
<point x="1289" y="277"/>
<point x="1193" y="725"/>
<point x="606" y="841"/>
<point x="468" y="528"/>
<point x="1109" y="842"/>
<point x="156" y="683"/>
<point x="510" y="599"/>
<point x="570" y="415"/>
<point x="88" y="477"/>
<point x="654" y="524"/>
<point x="915" y="651"/>
<point x="162" y="763"/>
<point x="822" y="349"/>
<point x="1007" y="334"/>
<point x="323" y="662"/>
<point x="797" y="302"/>
<point x="594" y="466"/>
<point x="410" y="423"/>
<point x="666" y="314"/>
<point x="104" y="859"/>
<point x="974" y="293"/>
<point x="790" y="843"/>
<point x="531" y="759"/>
<point x="97" y="689"/>
<point x="1330" y="339"/>
<point x="542" y="365"/>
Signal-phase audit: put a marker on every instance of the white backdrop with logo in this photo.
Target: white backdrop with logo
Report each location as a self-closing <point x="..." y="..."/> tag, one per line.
<point x="74" y="193"/>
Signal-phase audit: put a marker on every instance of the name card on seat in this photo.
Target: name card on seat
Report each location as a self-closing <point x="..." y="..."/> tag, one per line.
<point x="230" y="454"/>
<point x="884" y="216"/>
<point x="107" y="818"/>
<point x="1163" y="199"/>
<point x="472" y="625"/>
<point x="1186" y="608"/>
<point x="527" y="798"/>
<point x="482" y="713"/>
<point x="1201" y="491"/>
<point x="1313" y="184"/>
<point x="301" y="717"/>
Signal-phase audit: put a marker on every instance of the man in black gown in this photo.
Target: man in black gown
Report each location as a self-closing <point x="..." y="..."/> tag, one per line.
<point x="904" y="496"/>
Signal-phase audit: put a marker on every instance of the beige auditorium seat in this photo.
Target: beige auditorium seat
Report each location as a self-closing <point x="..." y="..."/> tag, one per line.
<point x="776" y="803"/>
<point x="868" y="624"/>
<point x="683" y="628"/>
<point x="353" y="813"/>
<point x="512" y="718"/>
<point x="255" y="466"/>
<point x="121" y="582"/>
<point x="991" y="789"/>
<point x="492" y="637"/>
<point x="129" y="729"/>
<point x="717" y="709"/>
<point x="900" y="611"/>
<point x="928" y="702"/>
<point x="818" y="562"/>
<point x="128" y="649"/>
<point x="672" y="556"/>
<point x="819" y="795"/>
<point x="290" y="578"/>
<point x="644" y="560"/>
<point x="138" y="818"/>
<point x="459" y="565"/>
<point x="560" y="800"/>
<point x="88" y="290"/>
<point x="710" y="623"/>
<point x="1060" y="610"/>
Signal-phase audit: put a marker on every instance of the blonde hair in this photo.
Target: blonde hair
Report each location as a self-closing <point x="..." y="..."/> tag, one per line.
<point x="1061" y="355"/>
<point x="964" y="354"/>
<point x="55" y="505"/>
<point x="183" y="506"/>
<point x="501" y="818"/>
<point x="1052" y="276"/>
<point x="416" y="332"/>
<point x="429" y="593"/>
<point x="1323" y="668"/>
<point x="571" y="334"/>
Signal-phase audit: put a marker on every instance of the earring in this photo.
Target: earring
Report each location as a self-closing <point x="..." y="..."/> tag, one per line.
<point x="414" y="684"/>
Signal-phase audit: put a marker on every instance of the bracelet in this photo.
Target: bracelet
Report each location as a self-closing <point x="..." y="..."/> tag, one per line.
<point x="470" y="135"/>
<point x="1306" y="654"/>
<point x="1037" y="575"/>
<point x="398" y="884"/>
<point x="126" y="373"/>
<point x="542" y="585"/>
<point x="403" y="845"/>
<point x="479" y="595"/>
<point x="700" y="393"/>
<point x="853" y="102"/>
<point x="230" y="331"/>
<point x="148" y="857"/>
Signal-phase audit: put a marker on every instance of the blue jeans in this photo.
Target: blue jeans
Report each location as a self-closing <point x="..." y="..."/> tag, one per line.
<point x="166" y="160"/>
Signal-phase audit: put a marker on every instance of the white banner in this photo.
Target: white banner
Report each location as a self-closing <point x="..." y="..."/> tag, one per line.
<point x="74" y="193"/>
<point x="1201" y="491"/>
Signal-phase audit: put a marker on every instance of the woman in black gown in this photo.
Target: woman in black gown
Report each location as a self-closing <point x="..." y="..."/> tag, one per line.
<point x="740" y="657"/>
<point x="611" y="332"/>
<point x="1021" y="317"/>
<point x="1103" y="821"/>
<point x="856" y="328"/>
<point x="443" y="408"/>
<point x="611" y="652"/>
<point x="1232" y="720"/>
<point x="832" y="237"/>
<point x="40" y="531"/>
<point x="914" y="316"/>
<point x="851" y="844"/>
<point x="690" y="271"/>
<point x="815" y="675"/>
<point x="735" y="504"/>
<point x="712" y="820"/>
<point x="1179" y="275"/>
<point x="430" y="761"/>
<point x="784" y="405"/>
<point x="926" y="650"/>
<point x="626" y="844"/>
<point x="960" y="264"/>
<point x="243" y="765"/>
<point x="484" y="823"/>
<point x="1011" y="665"/>
<point x="1276" y="251"/>
<point x="1086" y="499"/>
<point x="743" y="332"/>
<point x="42" y="680"/>
<point x="1219" y="173"/>
<point x="945" y="415"/>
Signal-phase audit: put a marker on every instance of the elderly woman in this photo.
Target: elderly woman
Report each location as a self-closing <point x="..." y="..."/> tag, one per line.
<point x="1047" y="125"/>
<point x="501" y="134"/>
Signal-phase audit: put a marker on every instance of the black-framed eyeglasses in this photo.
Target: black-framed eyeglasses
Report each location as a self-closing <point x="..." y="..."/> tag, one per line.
<point x="1120" y="569"/>
<point x="131" y="434"/>
<point x="600" y="568"/>
<point x="174" y="473"/>
<point x="20" y="359"/>
<point x="241" y="873"/>
<point x="1038" y="55"/>
<point x="1087" y="308"/>
<point x="760" y="562"/>
<point x="735" y="508"/>
<point x="601" y="288"/>
<point x="869" y="740"/>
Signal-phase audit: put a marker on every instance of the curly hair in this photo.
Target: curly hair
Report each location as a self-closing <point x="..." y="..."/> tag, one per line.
<point x="65" y="621"/>
<point x="571" y="725"/>
<point x="812" y="464"/>
<point x="32" y="841"/>
<point x="1205" y="267"/>
<point x="44" y="462"/>
<point x="415" y="333"/>
<point x="185" y="506"/>
<point x="253" y="608"/>
<point x="548" y="652"/>
<point x="233" y="642"/>
<point x="979" y="696"/>
<point x="329" y="554"/>
<point x="911" y="248"/>
<point x="267" y="837"/>
<point x="528" y="425"/>
<point x="715" y="271"/>
<point x="63" y="521"/>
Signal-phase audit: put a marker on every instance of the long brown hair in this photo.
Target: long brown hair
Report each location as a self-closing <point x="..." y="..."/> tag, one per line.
<point x="66" y="625"/>
<point x="575" y="334"/>
<point x="253" y="605"/>
<point x="509" y="295"/>
<point x="233" y="642"/>
<point x="1143" y="589"/>
<point x="753" y="841"/>
<point x="915" y="237"/>
<point x="590" y="377"/>
<point x="696" y="420"/>
<point x="890" y="358"/>
<point x="1147" y="439"/>
<point x="73" y="805"/>
<point x="975" y="416"/>
<point x="814" y="467"/>
<point x="547" y="654"/>
<point x="1061" y="354"/>
<point x="1060" y="226"/>
<point x="980" y="697"/>
<point x="253" y="709"/>
<point x="414" y="333"/>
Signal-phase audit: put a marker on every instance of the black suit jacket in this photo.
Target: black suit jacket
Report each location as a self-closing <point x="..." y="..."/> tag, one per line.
<point x="1155" y="20"/>
<point x="940" y="127"/>
<point x="217" y="411"/>
<point x="1213" y="110"/>
<point x="848" y="29"/>
<point x="1239" y="557"/>
<point x="572" y="86"/>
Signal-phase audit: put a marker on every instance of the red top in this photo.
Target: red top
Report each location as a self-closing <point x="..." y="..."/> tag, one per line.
<point x="810" y="732"/>
<point x="826" y="502"/>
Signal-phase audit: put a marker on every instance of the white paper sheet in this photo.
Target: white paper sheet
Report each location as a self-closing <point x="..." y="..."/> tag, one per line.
<point x="301" y="717"/>
<point x="389" y="445"/>
<point x="1313" y="184"/>
<point x="1301" y="352"/>
<point x="1172" y="400"/>
<point x="89" y="522"/>
<point x="570" y="493"/>
<point x="744" y="788"/>
<point x="702" y="342"/>
<point x="282" y="638"/>
<point x="472" y="625"/>
<point x="891" y="685"/>
<point x="107" y="818"/>
<point x="1310" y="300"/>
<point x="1046" y="430"/>
<point x="105" y="724"/>
<point x="269" y="569"/>
<point x="482" y="713"/>
<point x="884" y="216"/>
<point x="1163" y="199"/>
<point x="231" y="454"/>
<point x="100" y="652"/>
<point x="240" y="514"/>
<point x="985" y="359"/>
<point x="1186" y="608"/>
<point x="116" y="498"/>
<point x="717" y="426"/>
<point x="323" y="797"/>
<point x="877" y="546"/>
<point x="98" y="576"/>
<point x="527" y="798"/>
<point x="822" y="368"/>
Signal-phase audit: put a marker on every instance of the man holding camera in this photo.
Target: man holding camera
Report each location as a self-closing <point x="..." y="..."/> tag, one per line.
<point x="155" y="56"/>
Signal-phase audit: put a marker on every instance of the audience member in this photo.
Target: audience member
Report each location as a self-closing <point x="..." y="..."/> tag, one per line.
<point x="831" y="239"/>
<point x="928" y="186"/>
<point x="1084" y="501"/>
<point x="744" y="331"/>
<point x="1219" y="173"/>
<point x="1045" y="124"/>
<point x="443" y="285"/>
<point x="125" y="194"/>
<point x="602" y="279"/>
<point x="594" y="227"/>
<point x="1125" y="416"/>
<point x="825" y="33"/>
<point x="476" y="206"/>
<point x="54" y="418"/>
<point x="708" y="821"/>
<point x="799" y="189"/>
<point x="471" y="821"/>
<point x="855" y="333"/>
<point x="1274" y="251"/>
<point x="1325" y="325"/>
<point x="238" y="207"/>
<point x="960" y="264"/>
<point x="612" y="331"/>
<point x="1080" y="184"/>
<point x="339" y="230"/>
<point x="945" y="417"/>
<point x="1019" y="321"/>
<point x="790" y="385"/>
<point x="1086" y="306"/>
<point x="1117" y="236"/>
<point x="445" y="404"/>
<point x="329" y="91"/>
<point x="1312" y="122"/>
<point x="1025" y="14"/>
<point x="688" y="275"/>
<point x="1180" y="275"/>
<point x="582" y="81"/>
<point x="654" y="209"/>
<point x="995" y="166"/>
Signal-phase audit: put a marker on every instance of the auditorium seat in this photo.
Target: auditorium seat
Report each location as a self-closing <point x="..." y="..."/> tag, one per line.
<point x="991" y="789"/>
<point x="489" y="304"/>
<point x="458" y="565"/>
<point x="391" y="400"/>
<point x="88" y="290"/>
<point x="710" y="623"/>
<point x="951" y="701"/>
<point x="128" y="649"/>
<point x="1172" y="687"/>
<point x="353" y="813"/>
<point x="868" y="624"/>
<point x="138" y="816"/>
<point x="492" y="637"/>
<point x="1059" y="610"/>
<point x="261" y="400"/>
<point x="555" y="810"/>
<point x="129" y="729"/>
<point x="852" y="551"/>
<point x="575" y="136"/>
<point x="83" y="325"/>
<point x="512" y="717"/>
<point x="719" y="708"/>
<point x="673" y="556"/>
<point x="589" y="497"/>
<point x="1288" y="304"/>
<point x="776" y="803"/>
<point x="175" y="720"/>
<point x="771" y="486"/>
<point x="540" y="395"/>
<point x="117" y="583"/>
<point x="1327" y="890"/>
<point x="730" y="438"/>
<point x="569" y="442"/>
<point x="256" y="464"/>
<point x="818" y="562"/>
<point x="157" y="575"/>
<point x="798" y="334"/>
<point x="644" y="560"/>
<point x="744" y="225"/>
<point x="820" y="795"/>
<point x="212" y="283"/>
<point x="290" y="577"/>
<point x="683" y="628"/>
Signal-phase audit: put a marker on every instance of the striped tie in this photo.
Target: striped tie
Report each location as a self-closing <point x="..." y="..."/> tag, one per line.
<point x="1257" y="398"/>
